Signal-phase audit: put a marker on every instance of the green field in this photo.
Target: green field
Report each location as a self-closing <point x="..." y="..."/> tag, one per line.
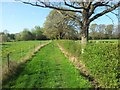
<point x="49" y="68"/>
<point x="74" y="44"/>
<point x="18" y="50"/>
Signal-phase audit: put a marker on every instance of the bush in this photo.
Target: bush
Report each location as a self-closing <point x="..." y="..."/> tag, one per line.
<point x="102" y="61"/>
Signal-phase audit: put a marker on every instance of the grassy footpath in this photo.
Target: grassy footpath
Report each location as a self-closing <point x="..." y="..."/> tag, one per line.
<point x="48" y="69"/>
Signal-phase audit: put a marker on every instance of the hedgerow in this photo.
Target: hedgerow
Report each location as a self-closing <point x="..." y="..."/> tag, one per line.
<point x="100" y="58"/>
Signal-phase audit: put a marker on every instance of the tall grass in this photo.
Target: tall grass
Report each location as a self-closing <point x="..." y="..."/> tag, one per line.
<point x="101" y="58"/>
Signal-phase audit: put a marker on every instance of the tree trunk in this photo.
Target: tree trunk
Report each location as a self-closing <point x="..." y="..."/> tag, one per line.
<point x="84" y="28"/>
<point x="84" y="37"/>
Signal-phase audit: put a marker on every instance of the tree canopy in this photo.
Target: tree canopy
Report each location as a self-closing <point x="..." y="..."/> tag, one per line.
<point x="85" y="9"/>
<point x="60" y="27"/>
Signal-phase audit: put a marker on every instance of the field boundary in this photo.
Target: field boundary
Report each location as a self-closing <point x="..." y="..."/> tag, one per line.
<point x="34" y="51"/>
<point x="80" y="66"/>
<point x="14" y="65"/>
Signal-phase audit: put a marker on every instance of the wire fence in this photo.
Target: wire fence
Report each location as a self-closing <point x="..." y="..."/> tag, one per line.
<point x="17" y="55"/>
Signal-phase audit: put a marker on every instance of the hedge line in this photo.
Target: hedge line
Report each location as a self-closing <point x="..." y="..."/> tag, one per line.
<point x="101" y="59"/>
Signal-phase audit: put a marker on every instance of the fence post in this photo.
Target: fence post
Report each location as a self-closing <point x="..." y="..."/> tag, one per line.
<point x="8" y="60"/>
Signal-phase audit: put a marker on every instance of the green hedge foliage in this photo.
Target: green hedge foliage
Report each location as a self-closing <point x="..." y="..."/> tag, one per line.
<point x="101" y="59"/>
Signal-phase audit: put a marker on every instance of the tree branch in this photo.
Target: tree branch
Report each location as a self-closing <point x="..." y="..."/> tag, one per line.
<point x="89" y="4"/>
<point x="110" y="19"/>
<point x="104" y="12"/>
<point x="98" y="4"/>
<point x="115" y="14"/>
<point x="73" y="6"/>
<point x="71" y="16"/>
<point x="33" y="4"/>
<point x="49" y="6"/>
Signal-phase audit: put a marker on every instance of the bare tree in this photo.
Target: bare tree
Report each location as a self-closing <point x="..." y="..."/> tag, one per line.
<point x="109" y="30"/>
<point x="101" y="30"/>
<point x="93" y="30"/>
<point x="85" y="9"/>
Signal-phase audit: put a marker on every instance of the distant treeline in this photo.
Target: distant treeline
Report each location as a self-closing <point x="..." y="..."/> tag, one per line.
<point x="96" y="32"/>
<point x="103" y="31"/>
<point x="58" y="27"/>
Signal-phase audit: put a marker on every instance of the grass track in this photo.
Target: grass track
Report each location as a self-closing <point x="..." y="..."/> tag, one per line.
<point x="49" y="68"/>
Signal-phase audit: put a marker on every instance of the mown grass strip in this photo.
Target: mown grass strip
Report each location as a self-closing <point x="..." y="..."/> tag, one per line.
<point x="49" y="68"/>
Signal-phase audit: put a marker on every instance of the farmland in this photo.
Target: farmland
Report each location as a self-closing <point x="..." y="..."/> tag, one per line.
<point x="15" y="53"/>
<point x="18" y="50"/>
<point x="70" y="44"/>
<point x="49" y="68"/>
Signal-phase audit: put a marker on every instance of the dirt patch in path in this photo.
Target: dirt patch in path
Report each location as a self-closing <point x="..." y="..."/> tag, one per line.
<point x="6" y="73"/>
<point x="80" y="66"/>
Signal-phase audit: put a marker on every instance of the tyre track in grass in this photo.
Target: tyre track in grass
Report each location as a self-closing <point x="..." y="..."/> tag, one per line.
<point x="49" y="68"/>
